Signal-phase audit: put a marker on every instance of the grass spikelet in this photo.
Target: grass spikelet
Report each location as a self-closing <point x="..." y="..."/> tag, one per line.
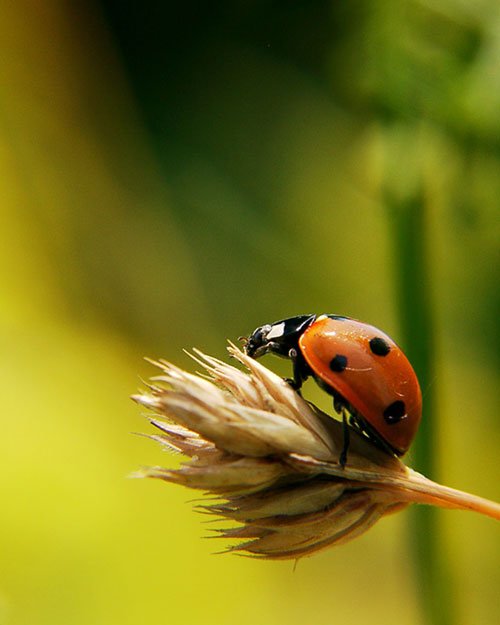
<point x="272" y="459"/>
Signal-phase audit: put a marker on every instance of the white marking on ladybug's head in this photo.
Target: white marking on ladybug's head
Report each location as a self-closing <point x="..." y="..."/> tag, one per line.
<point x="276" y="331"/>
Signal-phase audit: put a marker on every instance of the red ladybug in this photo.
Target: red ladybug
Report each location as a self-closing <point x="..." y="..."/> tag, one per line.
<point x="367" y="374"/>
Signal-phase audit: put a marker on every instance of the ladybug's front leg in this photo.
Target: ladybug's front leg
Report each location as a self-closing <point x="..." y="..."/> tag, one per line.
<point x="301" y="370"/>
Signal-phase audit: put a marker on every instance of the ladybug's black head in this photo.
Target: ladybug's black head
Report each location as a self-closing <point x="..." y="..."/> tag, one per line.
<point x="257" y="344"/>
<point x="278" y="337"/>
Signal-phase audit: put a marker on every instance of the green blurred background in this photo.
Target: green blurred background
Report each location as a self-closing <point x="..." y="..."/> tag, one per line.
<point x="177" y="173"/>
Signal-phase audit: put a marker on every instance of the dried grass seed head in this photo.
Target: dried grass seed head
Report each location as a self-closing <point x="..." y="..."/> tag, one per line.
<point x="272" y="459"/>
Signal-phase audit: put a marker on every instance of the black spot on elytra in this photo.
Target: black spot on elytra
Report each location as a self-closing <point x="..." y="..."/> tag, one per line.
<point x="338" y="363"/>
<point x="379" y="346"/>
<point x="395" y="412"/>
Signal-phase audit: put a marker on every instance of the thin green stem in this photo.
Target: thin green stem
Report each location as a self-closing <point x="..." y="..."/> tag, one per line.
<point x="410" y="236"/>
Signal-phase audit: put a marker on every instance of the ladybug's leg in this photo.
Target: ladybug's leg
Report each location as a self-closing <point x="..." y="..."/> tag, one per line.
<point x="297" y="370"/>
<point x="300" y="370"/>
<point x="345" y="445"/>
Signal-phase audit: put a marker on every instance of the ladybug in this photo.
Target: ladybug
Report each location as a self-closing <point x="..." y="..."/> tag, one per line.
<point x="373" y="385"/>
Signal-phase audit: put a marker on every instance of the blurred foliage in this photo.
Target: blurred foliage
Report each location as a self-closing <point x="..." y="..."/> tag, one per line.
<point x="177" y="173"/>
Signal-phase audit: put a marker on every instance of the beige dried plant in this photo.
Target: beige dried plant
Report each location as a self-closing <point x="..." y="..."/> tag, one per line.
<point x="271" y="459"/>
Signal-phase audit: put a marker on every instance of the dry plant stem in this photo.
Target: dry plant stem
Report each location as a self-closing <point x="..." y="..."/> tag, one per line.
<point x="416" y="488"/>
<point x="426" y="491"/>
<point x="272" y="460"/>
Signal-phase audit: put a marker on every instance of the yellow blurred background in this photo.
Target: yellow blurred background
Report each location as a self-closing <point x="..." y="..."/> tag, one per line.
<point x="175" y="174"/>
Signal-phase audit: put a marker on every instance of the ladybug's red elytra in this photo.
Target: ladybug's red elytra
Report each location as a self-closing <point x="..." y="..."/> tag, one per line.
<point x="368" y="375"/>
